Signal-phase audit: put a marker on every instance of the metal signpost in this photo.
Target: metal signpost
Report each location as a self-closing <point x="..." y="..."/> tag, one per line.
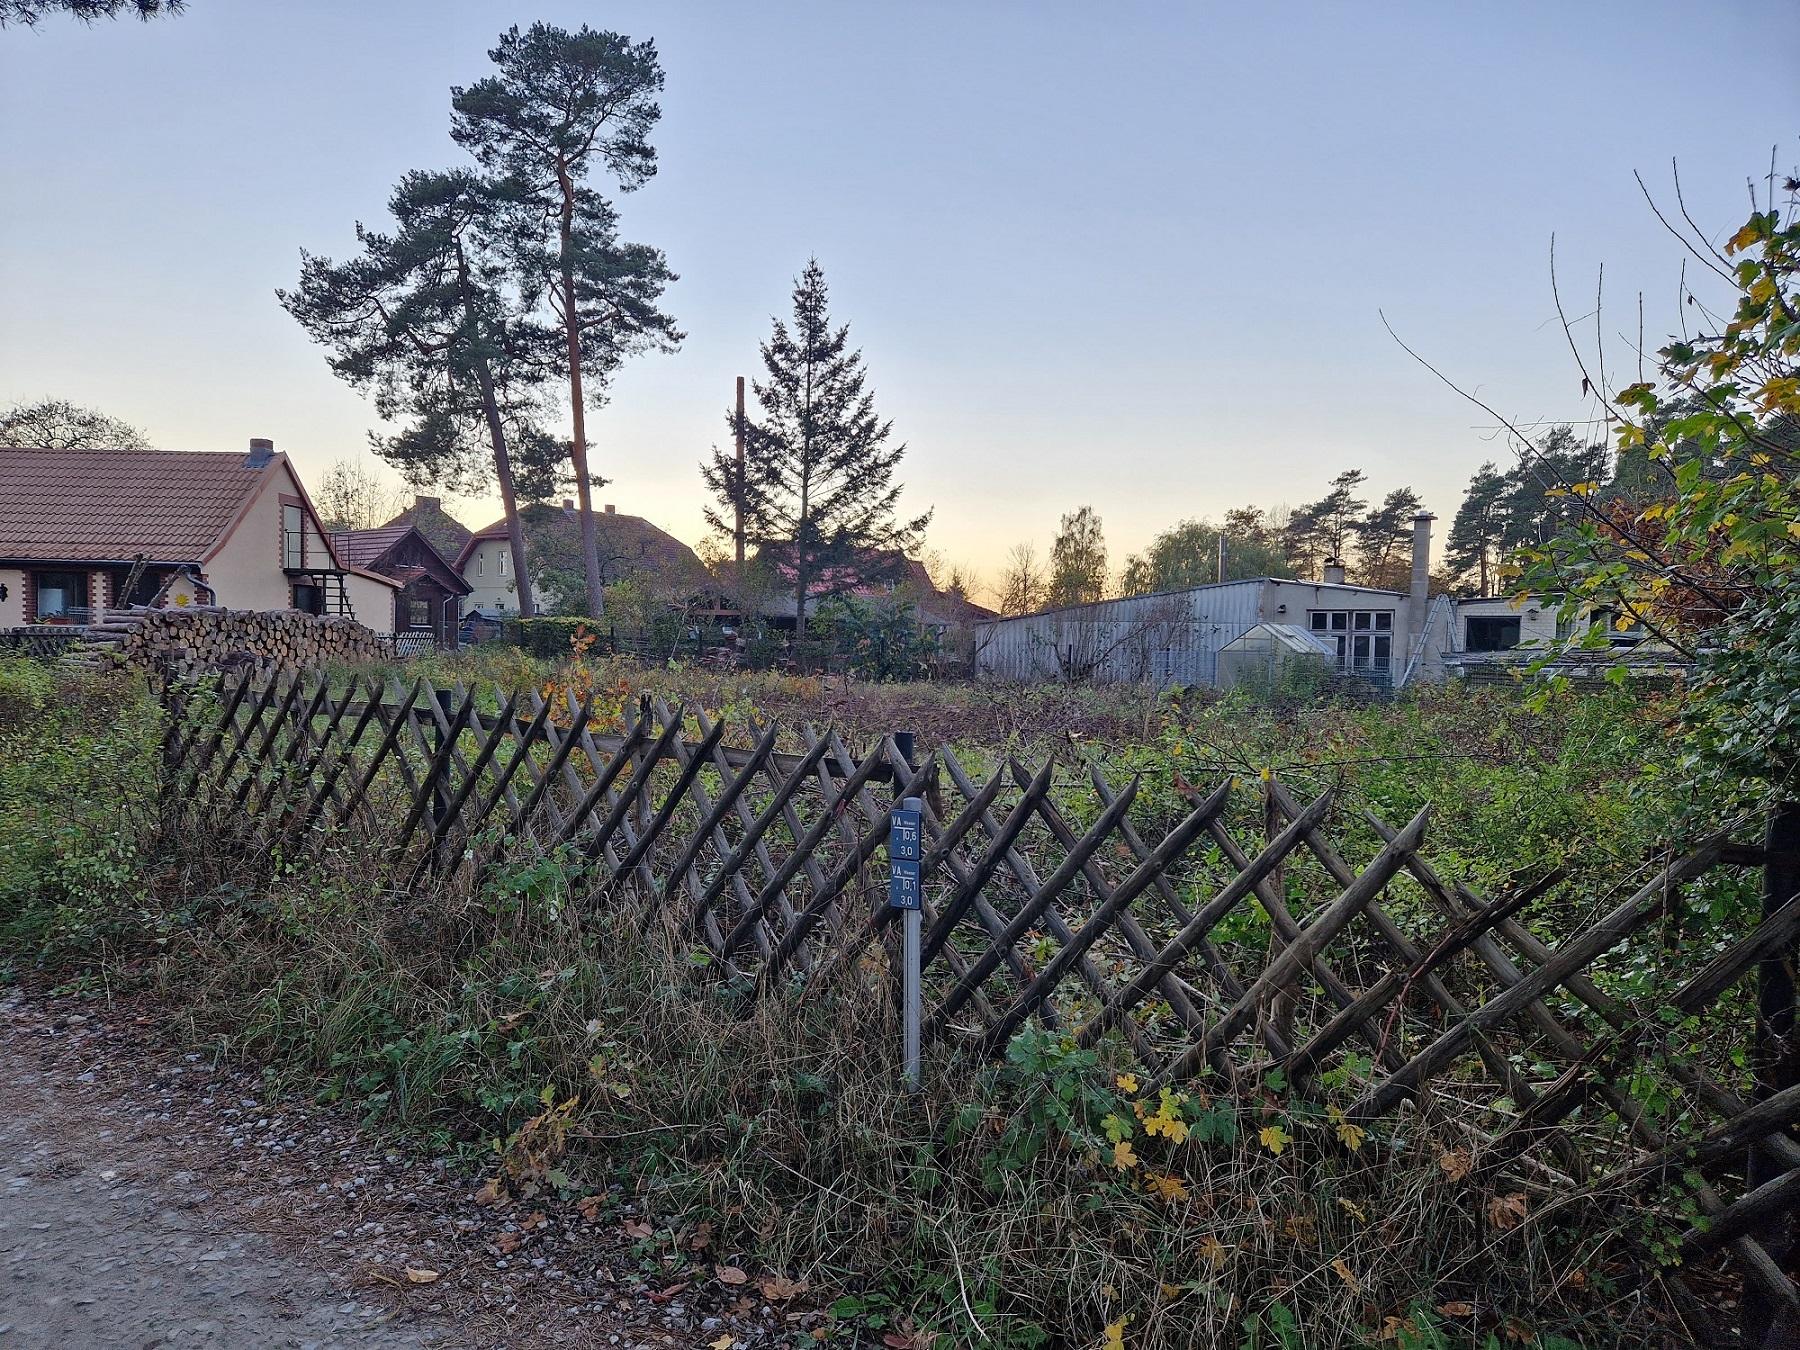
<point x="905" y="836"/>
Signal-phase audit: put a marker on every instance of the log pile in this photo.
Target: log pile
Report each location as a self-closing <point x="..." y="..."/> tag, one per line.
<point x="196" y="640"/>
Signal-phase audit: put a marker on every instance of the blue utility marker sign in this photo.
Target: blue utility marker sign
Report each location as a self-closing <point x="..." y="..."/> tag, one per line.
<point x="903" y="833"/>
<point x="903" y="883"/>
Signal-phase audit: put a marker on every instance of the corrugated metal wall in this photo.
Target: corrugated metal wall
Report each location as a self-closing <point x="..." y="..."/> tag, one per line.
<point x="1172" y="638"/>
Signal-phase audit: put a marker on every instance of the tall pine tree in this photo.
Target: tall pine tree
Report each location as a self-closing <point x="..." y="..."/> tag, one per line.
<point x="1477" y="536"/>
<point x="424" y="318"/>
<point x="818" y="493"/>
<point x="560" y="103"/>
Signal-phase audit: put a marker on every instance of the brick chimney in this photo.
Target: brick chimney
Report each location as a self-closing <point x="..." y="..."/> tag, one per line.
<point x="262" y="451"/>
<point x="1334" y="572"/>
<point x="420" y="500"/>
<point x="568" y="503"/>
<point x="1420" y="588"/>
<point x="610" y="509"/>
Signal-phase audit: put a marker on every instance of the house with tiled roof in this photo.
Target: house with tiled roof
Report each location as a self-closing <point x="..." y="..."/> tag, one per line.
<point x="427" y="605"/>
<point x="87" y="530"/>
<point x="630" y="546"/>
<point x="443" y="531"/>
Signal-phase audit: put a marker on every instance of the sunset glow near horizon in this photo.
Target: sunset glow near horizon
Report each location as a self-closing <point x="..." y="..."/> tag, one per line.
<point x="1120" y="256"/>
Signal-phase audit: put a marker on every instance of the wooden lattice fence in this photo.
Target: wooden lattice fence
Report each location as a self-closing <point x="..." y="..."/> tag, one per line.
<point x="1222" y="930"/>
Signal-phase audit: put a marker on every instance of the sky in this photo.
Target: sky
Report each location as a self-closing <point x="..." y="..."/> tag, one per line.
<point x="1129" y="255"/>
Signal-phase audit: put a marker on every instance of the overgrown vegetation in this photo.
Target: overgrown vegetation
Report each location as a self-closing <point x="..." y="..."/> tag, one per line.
<point x="569" y="1049"/>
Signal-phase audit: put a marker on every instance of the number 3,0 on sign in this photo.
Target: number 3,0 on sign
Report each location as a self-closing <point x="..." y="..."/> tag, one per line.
<point x="903" y="855"/>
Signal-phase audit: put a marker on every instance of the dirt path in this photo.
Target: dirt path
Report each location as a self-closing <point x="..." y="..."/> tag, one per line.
<point x="148" y="1199"/>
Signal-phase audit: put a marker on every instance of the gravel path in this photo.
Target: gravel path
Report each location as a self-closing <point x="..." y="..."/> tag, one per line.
<point x="148" y="1199"/>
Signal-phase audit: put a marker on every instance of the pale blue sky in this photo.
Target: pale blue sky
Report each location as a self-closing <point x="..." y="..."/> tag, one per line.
<point x="1125" y="254"/>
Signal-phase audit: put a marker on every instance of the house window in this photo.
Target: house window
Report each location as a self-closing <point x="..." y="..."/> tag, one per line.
<point x="480" y="565"/>
<point x="502" y="562"/>
<point x="62" y="597"/>
<point x="1492" y="632"/>
<point x="1362" y="638"/>
<point x="293" y="535"/>
<point x="418" y="613"/>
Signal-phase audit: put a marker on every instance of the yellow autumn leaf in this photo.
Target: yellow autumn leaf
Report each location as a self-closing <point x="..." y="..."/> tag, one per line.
<point x="1124" y="1155"/>
<point x="1169" y="1189"/>
<point x="722" y="1343"/>
<point x="1212" y="1250"/>
<point x="1353" y="1209"/>
<point x="1351" y="1136"/>
<point x="1126" y="1083"/>
<point x="1347" y="1275"/>
<point x="1274" y="1138"/>
<point x="1114" y="1336"/>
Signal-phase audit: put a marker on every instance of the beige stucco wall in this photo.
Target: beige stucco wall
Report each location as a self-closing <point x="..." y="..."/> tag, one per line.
<point x="12" y="608"/>
<point x="373" y="602"/>
<point x="246" y="572"/>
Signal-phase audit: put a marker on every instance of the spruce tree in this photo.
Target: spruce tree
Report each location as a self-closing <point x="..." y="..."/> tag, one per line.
<point x="423" y="317"/>
<point x="818" y="492"/>
<point x="1381" y="539"/>
<point x="560" y="103"/>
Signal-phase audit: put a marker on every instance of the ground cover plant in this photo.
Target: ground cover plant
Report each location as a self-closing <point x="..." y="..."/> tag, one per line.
<point x="573" y="1051"/>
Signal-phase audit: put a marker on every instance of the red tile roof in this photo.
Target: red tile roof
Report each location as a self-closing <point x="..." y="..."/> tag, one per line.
<point x="359" y="548"/>
<point x="111" y="505"/>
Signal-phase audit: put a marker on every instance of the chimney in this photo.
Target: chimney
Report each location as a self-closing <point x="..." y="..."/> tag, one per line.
<point x="1334" y="572"/>
<point x="1421" y="569"/>
<point x="261" y="452"/>
<point x="420" y="500"/>
<point x="568" y="503"/>
<point x="611" y="510"/>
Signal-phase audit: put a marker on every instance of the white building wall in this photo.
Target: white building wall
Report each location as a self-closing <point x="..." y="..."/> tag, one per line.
<point x="372" y="600"/>
<point x="12" y="607"/>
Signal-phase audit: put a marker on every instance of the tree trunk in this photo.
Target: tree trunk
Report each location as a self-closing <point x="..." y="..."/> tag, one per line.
<point x="509" y="502"/>
<point x="590" y="534"/>
<point x="490" y="412"/>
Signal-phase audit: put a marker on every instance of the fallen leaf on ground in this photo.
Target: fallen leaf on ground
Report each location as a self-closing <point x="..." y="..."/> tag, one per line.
<point x="536" y="1219"/>
<point x="490" y="1192"/>
<point x="1456" y="1163"/>
<point x="1457" y="1308"/>
<point x="731" y="1275"/>
<point x="638" y="1229"/>
<point x="1347" y="1275"/>
<point x="508" y="1241"/>
<point x="1507" y="1211"/>
<point x="664" y="1295"/>
<point x="419" y="1275"/>
<point x="589" y="1205"/>
<point x="779" y="1288"/>
<point x="724" y="1342"/>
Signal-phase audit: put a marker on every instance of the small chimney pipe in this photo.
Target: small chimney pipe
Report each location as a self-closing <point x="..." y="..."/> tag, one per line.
<point x="262" y="450"/>
<point x="1334" y="572"/>
<point x="610" y="509"/>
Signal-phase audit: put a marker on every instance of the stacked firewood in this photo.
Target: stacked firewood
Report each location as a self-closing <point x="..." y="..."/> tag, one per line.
<point x="196" y="640"/>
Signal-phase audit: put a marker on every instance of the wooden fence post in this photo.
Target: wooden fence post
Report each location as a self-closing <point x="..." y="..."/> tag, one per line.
<point x="1776" y="1057"/>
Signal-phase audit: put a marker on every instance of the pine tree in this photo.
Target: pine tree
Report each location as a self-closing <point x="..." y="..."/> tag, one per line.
<point x="1477" y="534"/>
<point x="1077" y="561"/>
<point x="423" y="318"/>
<point x="818" y="493"/>
<point x="561" y="102"/>
<point x="1381" y="538"/>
